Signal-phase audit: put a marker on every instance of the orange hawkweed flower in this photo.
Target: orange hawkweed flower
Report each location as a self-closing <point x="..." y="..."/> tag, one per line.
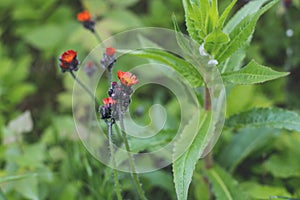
<point x="127" y="78"/>
<point x="110" y="51"/>
<point x="68" y="60"/>
<point x="108" y="101"/>
<point x="84" y="16"/>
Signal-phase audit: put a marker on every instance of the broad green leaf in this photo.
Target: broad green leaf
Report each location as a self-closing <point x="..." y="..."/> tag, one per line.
<point x="245" y="142"/>
<point x="17" y="177"/>
<point x="224" y="186"/>
<point x="251" y="74"/>
<point x="184" y="166"/>
<point x="46" y="36"/>
<point x="241" y="33"/>
<point x="284" y="163"/>
<point x="225" y="14"/>
<point x="214" y="40"/>
<point x="270" y="117"/>
<point x="257" y="191"/>
<point x="248" y="9"/>
<point x="183" y="67"/>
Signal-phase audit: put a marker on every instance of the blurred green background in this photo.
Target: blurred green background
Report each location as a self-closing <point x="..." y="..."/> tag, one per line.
<point x="41" y="156"/>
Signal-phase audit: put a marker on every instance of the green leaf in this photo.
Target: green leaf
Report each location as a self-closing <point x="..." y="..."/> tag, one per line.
<point x="241" y="33"/>
<point x="213" y="16"/>
<point x="223" y="185"/>
<point x="214" y="40"/>
<point x="184" y="166"/>
<point x="257" y="191"/>
<point x="46" y="36"/>
<point x="225" y="14"/>
<point x="249" y="9"/>
<point x="17" y="177"/>
<point x="271" y="117"/>
<point x="251" y="74"/>
<point x="196" y="18"/>
<point x="245" y="142"/>
<point x="284" y="163"/>
<point x="183" y="67"/>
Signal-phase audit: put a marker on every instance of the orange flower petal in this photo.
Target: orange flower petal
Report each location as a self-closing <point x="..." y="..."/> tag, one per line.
<point x="127" y="78"/>
<point x="110" y="51"/>
<point x="84" y="16"/>
<point x="68" y="56"/>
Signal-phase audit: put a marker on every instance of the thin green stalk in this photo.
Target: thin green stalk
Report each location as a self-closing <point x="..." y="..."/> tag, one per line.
<point x="85" y="88"/>
<point x="116" y="178"/>
<point x="99" y="39"/>
<point x="131" y="162"/>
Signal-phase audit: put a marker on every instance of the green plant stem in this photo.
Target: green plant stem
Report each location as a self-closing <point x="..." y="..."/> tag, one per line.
<point x="131" y="162"/>
<point x="115" y="172"/>
<point x="85" y="88"/>
<point x="99" y="39"/>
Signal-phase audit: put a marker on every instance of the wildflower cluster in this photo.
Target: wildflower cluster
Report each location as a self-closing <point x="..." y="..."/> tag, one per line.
<point x="119" y="97"/>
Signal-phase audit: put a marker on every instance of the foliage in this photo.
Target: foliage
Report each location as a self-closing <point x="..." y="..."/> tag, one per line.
<point x="257" y="155"/>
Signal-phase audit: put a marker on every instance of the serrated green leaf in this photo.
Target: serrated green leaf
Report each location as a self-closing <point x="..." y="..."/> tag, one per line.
<point x="248" y="9"/>
<point x="214" y="40"/>
<point x="245" y="142"/>
<point x="223" y="185"/>
<point x="189" y="21"/>
<point x="241" y="33"/>
<point x="184" y="166"/>
<point x="183" y="67"/>
<point x="182" y="41"/>
<point x="270" y="117"/>
<point x="251" y="74"/>
<point x="225" y="14"/>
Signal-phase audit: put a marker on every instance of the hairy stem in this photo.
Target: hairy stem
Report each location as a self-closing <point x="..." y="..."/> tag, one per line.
<point x="85" y="88"/>
<point x="115" y="172"/>
<point x="130" y="158"/>
<point x="208" y="159"/>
